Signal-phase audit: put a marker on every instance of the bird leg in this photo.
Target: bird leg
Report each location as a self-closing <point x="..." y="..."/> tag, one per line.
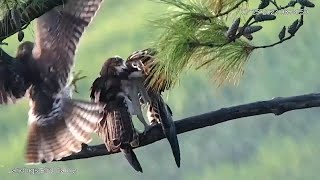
<point x="136" y="106"/>
<point x="139" y="82"/>
<point x="148" y="127"/>
<point x="135" y="109"/>
<point x="153" y="115"/>
<point x="76" y="77"/>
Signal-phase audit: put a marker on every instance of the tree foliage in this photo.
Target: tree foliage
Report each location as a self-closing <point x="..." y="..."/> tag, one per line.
<point x="16" y="15"/>
<point x="195" y="34"/>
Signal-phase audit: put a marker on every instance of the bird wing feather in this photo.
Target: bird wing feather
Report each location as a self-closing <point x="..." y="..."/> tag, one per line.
<point x="58" y="35"/>
<point x="62" y="132"/>
<point x="158" y="110"/>
<point x="13" y="84"/>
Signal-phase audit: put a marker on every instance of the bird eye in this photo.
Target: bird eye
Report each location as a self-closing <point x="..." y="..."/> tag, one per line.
<point x="134" y="65"/>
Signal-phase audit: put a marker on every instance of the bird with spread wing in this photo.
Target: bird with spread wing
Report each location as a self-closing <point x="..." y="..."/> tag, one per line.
<point x="158" y="112"/>
<point x="57" y="125"/>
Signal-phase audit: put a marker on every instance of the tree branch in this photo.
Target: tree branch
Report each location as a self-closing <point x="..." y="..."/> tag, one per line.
<point x="275" y="106"/>
<point x="29" y="11"/>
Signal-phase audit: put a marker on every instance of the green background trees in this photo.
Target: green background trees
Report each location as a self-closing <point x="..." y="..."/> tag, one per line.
<point x="264" y="147"/>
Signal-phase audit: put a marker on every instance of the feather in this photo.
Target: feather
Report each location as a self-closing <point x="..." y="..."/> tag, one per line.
<point x="13" y="82"/>
<point x="132" y="158"/>
<point x="158" y="111"/>
<point x="63" y="131"/>
<point x="58" y="35"/>
<point x="116" y="128"/>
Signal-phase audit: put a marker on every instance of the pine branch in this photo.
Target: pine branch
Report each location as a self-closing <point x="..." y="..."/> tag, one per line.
<point x="29" y="11"/>
<point x="195" y="34"/>
<point x="282" y="39"/>
<point x="276" y="106"/>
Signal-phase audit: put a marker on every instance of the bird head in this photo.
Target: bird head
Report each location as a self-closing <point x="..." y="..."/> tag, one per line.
<point x="141" y="61"/>
<point x="113" y="66"/>
<point x="24" y="51"/>
<point x="136" y="68"/>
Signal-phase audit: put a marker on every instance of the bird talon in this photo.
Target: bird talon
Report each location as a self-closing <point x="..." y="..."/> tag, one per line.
<point x="76" y="78"/>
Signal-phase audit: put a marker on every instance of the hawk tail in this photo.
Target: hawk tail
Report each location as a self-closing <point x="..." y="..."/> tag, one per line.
<point x="32" y="155"/>
<point x="132" y="158"/>
<point x="60" y="136"/>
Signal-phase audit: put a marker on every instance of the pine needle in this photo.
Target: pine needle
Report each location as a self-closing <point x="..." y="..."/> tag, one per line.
<point x="192" y="37"/>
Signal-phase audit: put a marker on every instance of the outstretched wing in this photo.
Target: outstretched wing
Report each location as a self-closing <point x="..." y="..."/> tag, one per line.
<point x="63" y="131"/>
<point x="13" y="84"/>
<point x="57" y="38"/>
<point x="69" y="124"/>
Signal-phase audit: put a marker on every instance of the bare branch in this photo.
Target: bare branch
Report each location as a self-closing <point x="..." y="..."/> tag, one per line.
<point x="29" y="12"/>
<point x="275" y="106"/>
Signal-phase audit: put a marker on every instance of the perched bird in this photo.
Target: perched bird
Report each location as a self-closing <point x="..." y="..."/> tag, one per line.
<point x="158" y="112"/>
<point x="135" y="83"/>
<point x="116" y="129"/>
<point x="57" y="125"/>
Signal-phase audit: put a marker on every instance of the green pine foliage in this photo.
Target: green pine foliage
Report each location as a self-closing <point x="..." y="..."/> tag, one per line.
<point x="219" y="6"/>
<point x="193" y="36"/>
<point x="15" y="12"/>
<point x="6" y="5"/>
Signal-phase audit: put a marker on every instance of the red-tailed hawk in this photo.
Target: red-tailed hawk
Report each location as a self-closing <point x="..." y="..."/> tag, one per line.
<point x="116" y="129"/>
<point x="158" y="111"/>
<point x="57" y="124"/>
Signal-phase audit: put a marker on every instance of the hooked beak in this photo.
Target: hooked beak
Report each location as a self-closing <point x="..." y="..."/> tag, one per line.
<point x="141" y="67"/>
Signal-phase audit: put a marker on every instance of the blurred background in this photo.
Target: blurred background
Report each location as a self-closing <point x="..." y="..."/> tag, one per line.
<point x="262" y="147"/>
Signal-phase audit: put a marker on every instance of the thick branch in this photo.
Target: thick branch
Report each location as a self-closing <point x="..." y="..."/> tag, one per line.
<point x="29" y="12"/>
<point x="275" y="106"/>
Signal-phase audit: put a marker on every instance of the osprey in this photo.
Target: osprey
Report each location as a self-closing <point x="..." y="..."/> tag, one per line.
<point x="158" y="112"/>
<point x="57" y="125"/>
<point x="116" y="129"/>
